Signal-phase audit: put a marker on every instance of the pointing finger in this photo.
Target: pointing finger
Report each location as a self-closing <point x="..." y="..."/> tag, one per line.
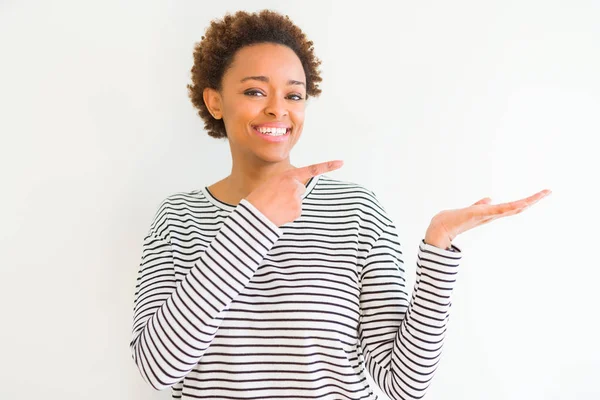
<point x="305" y="173"/>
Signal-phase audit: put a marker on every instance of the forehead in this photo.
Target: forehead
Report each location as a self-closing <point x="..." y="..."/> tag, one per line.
<point x="275" y="61"/>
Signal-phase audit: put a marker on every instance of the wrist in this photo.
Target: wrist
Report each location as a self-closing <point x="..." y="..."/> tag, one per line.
<point x="438" y="239"/>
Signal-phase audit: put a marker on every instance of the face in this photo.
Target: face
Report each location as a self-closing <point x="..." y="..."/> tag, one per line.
<point x="262" y="102"/>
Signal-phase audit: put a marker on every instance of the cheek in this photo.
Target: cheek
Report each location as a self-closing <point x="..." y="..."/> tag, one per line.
<point x="298" y="120"/>
<point x="298" y="117"/>
<point x="241" y="112"/>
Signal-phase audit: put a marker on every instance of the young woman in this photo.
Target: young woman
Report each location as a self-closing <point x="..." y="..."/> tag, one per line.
<point x="279" y="282"/>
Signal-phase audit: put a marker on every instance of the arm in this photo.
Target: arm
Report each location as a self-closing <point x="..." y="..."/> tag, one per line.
<point x="173" y="325"/>
<point x="402" y="341"/>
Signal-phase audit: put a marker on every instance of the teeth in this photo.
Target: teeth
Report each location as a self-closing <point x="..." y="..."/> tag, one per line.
<point x="272" y="131"/>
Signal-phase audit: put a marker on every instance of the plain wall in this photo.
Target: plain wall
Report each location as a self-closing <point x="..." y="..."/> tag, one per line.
<point x="432" y="105"/>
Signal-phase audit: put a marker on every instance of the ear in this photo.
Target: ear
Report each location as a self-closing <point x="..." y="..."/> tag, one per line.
<point x="212" y="99"/>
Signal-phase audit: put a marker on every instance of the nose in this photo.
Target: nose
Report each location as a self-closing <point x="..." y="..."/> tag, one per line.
<point x="276" y="107"/>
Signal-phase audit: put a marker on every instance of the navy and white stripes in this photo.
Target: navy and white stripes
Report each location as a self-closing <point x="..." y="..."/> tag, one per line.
<point x="230" y="306"/>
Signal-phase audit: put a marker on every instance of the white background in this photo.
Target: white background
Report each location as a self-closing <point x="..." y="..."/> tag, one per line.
<point x="432" y="105"/>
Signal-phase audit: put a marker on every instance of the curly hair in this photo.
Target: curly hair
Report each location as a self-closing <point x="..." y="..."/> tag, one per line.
<point x="214" y="54"/>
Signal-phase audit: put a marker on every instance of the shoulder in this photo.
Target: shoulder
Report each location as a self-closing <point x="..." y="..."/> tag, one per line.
<point x="180" y="199"/>
<point x="173" y="206"/>
<point x="358" y="193"/>
<point x="183" y="197"/>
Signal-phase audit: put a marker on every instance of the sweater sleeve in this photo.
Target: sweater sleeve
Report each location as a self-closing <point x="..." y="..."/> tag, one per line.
<point x="402" y="341"/>
<point x="174" y="324"/>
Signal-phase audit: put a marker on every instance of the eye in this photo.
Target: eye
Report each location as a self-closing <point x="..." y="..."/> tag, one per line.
<point x="296" y="97"/>
<point x="253" y="93"/>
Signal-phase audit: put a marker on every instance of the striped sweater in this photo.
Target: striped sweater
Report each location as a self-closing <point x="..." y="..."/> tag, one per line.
<point x="230" y="306"/>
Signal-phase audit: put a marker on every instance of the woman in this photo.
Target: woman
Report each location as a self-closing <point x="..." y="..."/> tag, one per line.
<point x="281" y="282"/>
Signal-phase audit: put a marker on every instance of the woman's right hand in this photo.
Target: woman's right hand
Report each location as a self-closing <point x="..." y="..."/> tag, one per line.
<point x="280" y="197"/>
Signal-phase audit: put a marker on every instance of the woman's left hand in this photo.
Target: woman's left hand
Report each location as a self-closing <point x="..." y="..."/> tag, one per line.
<point x="448" y="224"/>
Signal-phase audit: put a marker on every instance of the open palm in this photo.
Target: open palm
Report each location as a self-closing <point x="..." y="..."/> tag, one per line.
<point x="448" y="224"/>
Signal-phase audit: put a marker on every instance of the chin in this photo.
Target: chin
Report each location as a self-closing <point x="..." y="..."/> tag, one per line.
<point x="273" y="158"/>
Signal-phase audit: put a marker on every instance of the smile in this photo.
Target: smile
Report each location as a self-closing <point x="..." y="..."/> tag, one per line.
<point x="273" y="131"/>
<point x="272" y="134"/>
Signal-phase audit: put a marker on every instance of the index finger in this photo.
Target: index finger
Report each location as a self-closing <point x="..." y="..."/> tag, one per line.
<point x="304" y="173"/>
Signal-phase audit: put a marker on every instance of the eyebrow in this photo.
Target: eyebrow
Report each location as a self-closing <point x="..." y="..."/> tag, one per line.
<point x="263" y="78"/>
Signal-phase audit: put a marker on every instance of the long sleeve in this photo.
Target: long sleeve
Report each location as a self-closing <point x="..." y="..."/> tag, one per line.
<point x="174" y="324"/>
<point x="401" y="341"/>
